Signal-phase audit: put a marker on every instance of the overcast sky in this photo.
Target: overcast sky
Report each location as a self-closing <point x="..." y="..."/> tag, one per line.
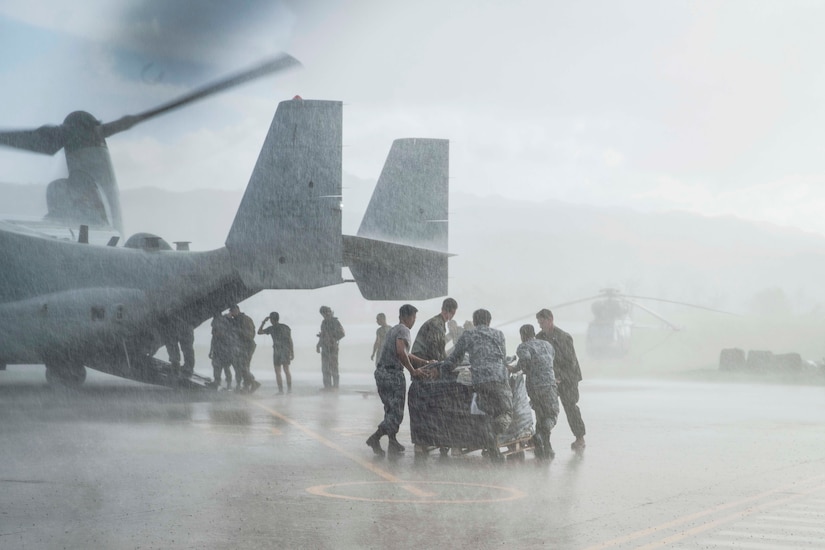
<point x="710" y="107"/>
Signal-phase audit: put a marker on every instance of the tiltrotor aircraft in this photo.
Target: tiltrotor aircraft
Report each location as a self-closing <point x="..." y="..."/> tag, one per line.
<point x="71" y="305"/>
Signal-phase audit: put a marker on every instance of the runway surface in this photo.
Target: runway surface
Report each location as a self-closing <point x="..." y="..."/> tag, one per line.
<point x="668" y="463"/>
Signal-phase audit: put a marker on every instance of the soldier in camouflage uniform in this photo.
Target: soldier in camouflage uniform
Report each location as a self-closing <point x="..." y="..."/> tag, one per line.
<point x="331" y="333"/>
<point x="489" y="375"/>
<point x="390" y="380"/>
<point x="535" y="359"/>
<point x="568" y="373"/>
<point x="431" y="340"/>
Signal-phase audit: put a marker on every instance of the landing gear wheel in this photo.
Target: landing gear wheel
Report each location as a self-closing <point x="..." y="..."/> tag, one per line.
<point x="66" y="375"/>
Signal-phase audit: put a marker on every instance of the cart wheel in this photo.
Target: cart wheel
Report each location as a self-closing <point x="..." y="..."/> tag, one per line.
<point x="445" y="452"/>
<point x="421" y="450"/>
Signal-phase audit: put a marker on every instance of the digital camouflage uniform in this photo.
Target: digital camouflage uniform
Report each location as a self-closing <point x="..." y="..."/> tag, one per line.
<point x="535" y="359"/>
<point x="489" y="375"/>
<point x="220" y="351"/>
<point x="331" y="332"/>
<point x="431" y="340"/>
<point x="569" y="374"/>
<point x="390" y="380"/>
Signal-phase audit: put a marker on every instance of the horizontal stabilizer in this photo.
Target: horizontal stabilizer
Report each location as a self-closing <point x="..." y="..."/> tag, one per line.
<point x="389" y="271"/>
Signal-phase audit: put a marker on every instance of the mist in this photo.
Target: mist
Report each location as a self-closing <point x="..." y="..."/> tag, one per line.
<point x="664" y="152"/>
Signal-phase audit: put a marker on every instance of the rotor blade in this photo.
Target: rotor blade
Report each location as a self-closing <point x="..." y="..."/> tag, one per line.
<point x="279" y="63"/>
<point x="565" y="304"/>
<point x="679" y="303"/>
<point x="651" y="312"/>
<point x="46" y="139"/>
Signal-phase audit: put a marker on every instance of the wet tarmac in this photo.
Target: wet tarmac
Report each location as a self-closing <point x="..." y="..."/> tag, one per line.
<point x="668" y="463"/>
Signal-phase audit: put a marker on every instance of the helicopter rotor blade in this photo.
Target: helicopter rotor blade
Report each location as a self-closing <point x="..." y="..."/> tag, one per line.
<point x="277" y="64"/>
<point x="678" y="303"/>
<point x="47" y="140"/>
<point x="565" y="304"/>
<point x="50" y="139"/>
<point x="653" y="313"/>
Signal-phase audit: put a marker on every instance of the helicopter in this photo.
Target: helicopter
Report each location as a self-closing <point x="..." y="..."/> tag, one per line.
<point x="71" y="304"/>
<point x="609" y="332"/>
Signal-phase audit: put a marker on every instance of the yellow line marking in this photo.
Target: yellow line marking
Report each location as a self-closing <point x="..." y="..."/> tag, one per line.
<point x="357" y="459"/>
<point x="684" y="519"/>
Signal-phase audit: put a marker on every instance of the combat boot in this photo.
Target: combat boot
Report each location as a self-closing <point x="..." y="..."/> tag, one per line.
<point x="549" y="453"/>
<point x="394" y="447"/>
<point x="495" y="456"/>
<point x="539" y="446"/>
<point x="374" y="441"/>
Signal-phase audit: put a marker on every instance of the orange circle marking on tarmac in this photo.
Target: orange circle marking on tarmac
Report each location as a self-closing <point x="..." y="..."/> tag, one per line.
<point x="508" y="493"/>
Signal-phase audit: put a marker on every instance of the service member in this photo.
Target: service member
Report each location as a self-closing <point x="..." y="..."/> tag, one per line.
<point x="568" y="373"/>
<point x="535" y="359"/>
<point x="390" y="381"/>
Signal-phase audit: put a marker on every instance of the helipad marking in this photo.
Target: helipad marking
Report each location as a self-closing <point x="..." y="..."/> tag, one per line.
<point x="514" y="494"/>
<point x="690" y="517"/>
<point x="357" y="459"/>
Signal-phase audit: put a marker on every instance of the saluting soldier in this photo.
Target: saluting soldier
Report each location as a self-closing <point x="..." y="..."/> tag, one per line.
<point x="282" y="349"/>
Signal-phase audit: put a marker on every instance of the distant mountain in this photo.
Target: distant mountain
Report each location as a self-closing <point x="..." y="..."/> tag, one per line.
<point x="514" y="255"/>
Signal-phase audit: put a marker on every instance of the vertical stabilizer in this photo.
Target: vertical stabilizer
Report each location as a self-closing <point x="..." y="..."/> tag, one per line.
<point x="410" y="202"/>
<point x="400" y="252"/>
<point x="287" y="232"/>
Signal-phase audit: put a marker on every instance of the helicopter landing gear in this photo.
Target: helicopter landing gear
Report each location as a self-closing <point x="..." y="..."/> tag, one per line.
<point x="69" y="375"/>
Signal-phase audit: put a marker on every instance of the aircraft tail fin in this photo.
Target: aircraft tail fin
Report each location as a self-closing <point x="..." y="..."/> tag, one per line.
<point x="287" y="232"/>
<point x="400" y="252"/>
